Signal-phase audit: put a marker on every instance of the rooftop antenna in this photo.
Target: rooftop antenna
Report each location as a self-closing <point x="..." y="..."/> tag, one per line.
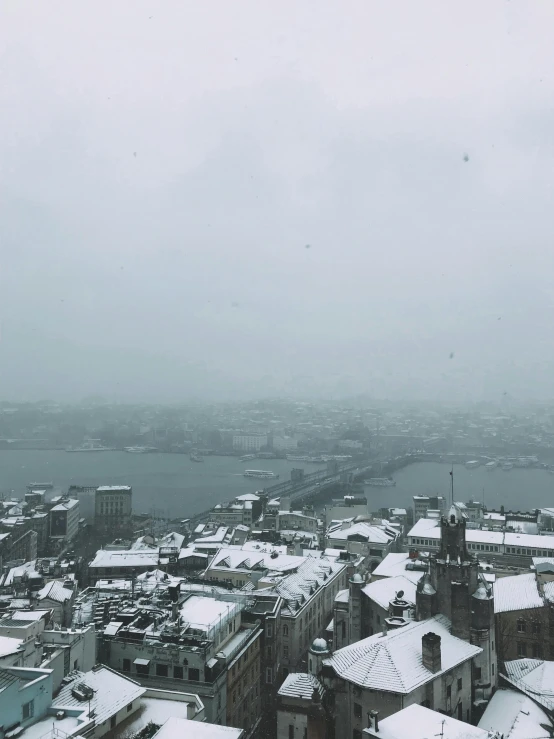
<point x="452" y="485"/>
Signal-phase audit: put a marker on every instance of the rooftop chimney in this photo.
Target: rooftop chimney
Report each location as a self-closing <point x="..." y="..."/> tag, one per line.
<point x="431" y="651"/>
<point x="373" y="721"/>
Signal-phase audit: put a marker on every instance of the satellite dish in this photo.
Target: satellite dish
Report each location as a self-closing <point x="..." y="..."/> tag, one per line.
<point x="400" y="594"/>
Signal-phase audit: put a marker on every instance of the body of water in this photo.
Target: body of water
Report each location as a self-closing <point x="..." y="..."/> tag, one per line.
<point x="516" y="489"/>
<point x="171" y="483"/>
<point x="175" y="486"/>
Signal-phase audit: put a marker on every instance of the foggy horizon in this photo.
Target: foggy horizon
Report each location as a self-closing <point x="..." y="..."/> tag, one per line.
<point x="224" y="202"/>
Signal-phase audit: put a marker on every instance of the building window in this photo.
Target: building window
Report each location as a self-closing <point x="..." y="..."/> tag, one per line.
<point x="357" y="710"/>
<point x="129" y="708"/>
<point x="291" y="731"/>
<point x="126" y="665"/>
<point x="269" y="675"/>
<point x="521" y="626"/>
<point x="177" y="672"/>
<point x="521" y="649"/>
<point x="285" y="630"/>
<point x="477" y="673"/>
<point x="536" y="627"/>
<point x="28" y="710"/>
<point x="285" y="651"/>
<point x="449" y="691"/>
<point x="269" y="631"/>
<point x="194" y="674"/>
<point x="460" y="712"/>
<point x="161" y="670"/>
<point x="143" y="670"/>
<point x="459" y="683"/>
<point x="537" y="651"/>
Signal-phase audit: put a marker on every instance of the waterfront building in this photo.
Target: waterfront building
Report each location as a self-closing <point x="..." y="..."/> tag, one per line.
<point x="113" y="508"/>
<point x="64" y="522"/>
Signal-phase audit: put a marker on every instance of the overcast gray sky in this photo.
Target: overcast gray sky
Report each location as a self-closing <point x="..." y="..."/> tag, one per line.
<point x="163" y="166"/>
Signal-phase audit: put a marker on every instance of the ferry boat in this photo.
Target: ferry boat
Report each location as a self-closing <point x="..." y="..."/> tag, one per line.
<point x="40" y="486"/>
<point x="304" y="458"/>
<point x="89" y="446"/>
<point x="246" y="457"/>
<point x="196" y="457"/>
<point x="507" y="466"/>
<point x="138" y="449"/>
<point x="261" y="474"/>
<point x="380" y="482"/>
<point x="472" y="464"/>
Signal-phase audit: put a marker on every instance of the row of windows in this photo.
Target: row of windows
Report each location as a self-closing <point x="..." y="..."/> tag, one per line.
<point x="535" y="626"/>
<point x="162" y="670"/>
<point x="525" y="551"/>
<point x="536" y="650"/>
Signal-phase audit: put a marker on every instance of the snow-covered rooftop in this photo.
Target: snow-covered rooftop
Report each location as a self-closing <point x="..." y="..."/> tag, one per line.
<point x="534" y="677"/>
<point x="237" y="559"/>
<point x="125" y="558"/>
<point x="301" y="685"/>
<point x="514" y="716"/>
<point x="177" y="728"/>
<point x="202" y="613"/>
<point x="385" y="590"/>
<point x="395" y="564"/>
<point x="517" y="593"/>
<point x="393" y="662"/>
<point x="365" y="530"/>
<point x="112" y="692"/>
<point x="55" y="591"/>
<point x="401" y="725"/>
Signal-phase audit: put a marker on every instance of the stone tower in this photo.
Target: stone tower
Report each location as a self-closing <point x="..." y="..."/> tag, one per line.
<point x="454" y="587"/>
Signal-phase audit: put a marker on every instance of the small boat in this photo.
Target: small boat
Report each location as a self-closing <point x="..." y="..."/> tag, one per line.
<point x="89" y="446"/>
<point x="196" y="457"/>
<point x="246" y="457"/>
<point x="260" y="474"/>
<point x="380" y="482"/>
<point x="491" y="465"/>
<point x="472" y="464"/>
<point x="507" y="466"/>
<point x="138" y="449"/>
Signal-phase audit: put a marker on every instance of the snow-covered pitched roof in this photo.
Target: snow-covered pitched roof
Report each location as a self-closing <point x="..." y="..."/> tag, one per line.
<point x="401" y="725"/>
<point x="301" y="685"/>
<point x="393" y="662"/>
<point x="514" y="716"/>
<point x="517" y="593"/>
<point x="534" y="677"/>
<point x="55" y="591"/>
<point x="383" y="591"/>
<point x="365" y="530"/>
<point x="112" y="692"/>
<point x="239" y="559"/>
<point x="395" y="564"/>
<point x="298" y="588"/>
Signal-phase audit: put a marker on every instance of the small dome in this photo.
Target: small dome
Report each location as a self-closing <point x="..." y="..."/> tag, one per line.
<point x="482" y="592"/>
<point x="356" y="578"/>
<point x="319" y="645"/>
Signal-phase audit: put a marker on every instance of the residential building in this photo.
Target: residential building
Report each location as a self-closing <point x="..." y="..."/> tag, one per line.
<point x="25" y="693"/>
<point x="249" y="442"/>
<point x="190" y="645"/>
<point x="113" y="508"/>
<point x="301" y="713"/>
<point x="244" y="700"/>
<point x="373" y="541"/>
<point x="347" y="507"/>
<point x="420" y="663"/>
<point x="425" y="536"/>
<point x="243" y="566"/>
<point x="57" y="597"/>
<point x="64" y="522"/>
<point x="524" y="609"/>
<point x="424" y="503"/>
<point x="308" y="597"/>
<point x="123" y="564"/>
<point x="296" y="521"/>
